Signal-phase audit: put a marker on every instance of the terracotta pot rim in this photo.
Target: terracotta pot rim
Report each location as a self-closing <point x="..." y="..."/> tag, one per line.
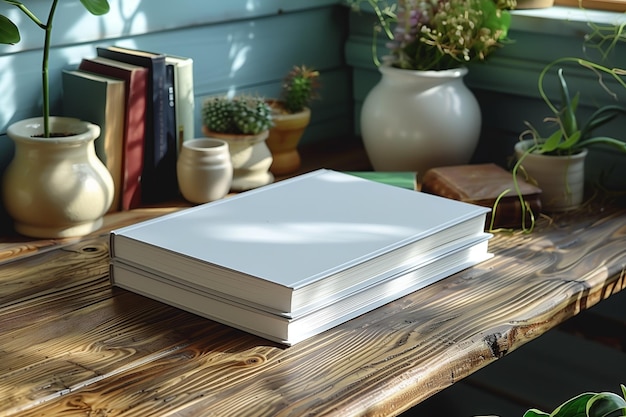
<point x="235" y="138"/>
<point x="277" y="105"/>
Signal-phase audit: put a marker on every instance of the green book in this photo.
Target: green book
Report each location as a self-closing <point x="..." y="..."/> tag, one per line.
<point x="404" y="179"/>
<point x="100" y="100"/>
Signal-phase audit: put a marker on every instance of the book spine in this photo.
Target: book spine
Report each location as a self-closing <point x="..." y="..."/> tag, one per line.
<point x="185" y="101"/>
<point x="151" y="189"/>
<point x="104" y="108"/>
<point x="167" y="151"/>
<point x="134" y="126"/>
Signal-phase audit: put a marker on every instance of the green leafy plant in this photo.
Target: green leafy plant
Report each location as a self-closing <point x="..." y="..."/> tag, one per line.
<point x="299" y="88"/>
<point x="9" y="34"/>
<point x="570" y="135"/>
<point x="590" y="404"/>
<point x="240" y="115"/>
<point x="438" y="34"/>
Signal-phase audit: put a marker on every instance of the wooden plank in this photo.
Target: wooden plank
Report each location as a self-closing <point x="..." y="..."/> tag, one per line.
<point x="14" y="246"/>
<point x="73" y="345"/>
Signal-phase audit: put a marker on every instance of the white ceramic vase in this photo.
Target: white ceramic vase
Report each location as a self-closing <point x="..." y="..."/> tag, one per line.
<point x="250" y="156"/>
<point x="416" y="120"/>
<point x="204" y="170"/>
<point x="56" y="187"/>
<point x="561" y="178"/>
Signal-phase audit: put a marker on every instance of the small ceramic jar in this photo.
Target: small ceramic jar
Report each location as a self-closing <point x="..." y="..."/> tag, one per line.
<point x="204" y="170"/>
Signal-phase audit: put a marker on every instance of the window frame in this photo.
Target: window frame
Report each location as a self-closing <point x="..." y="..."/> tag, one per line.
<point x="609" y="5"/>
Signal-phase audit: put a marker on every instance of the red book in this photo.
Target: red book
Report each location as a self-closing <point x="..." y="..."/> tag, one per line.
<point x="136" y="80"/>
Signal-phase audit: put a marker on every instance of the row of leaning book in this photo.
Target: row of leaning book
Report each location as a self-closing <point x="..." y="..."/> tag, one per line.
<point x="300" y="256"/>
<point x="144" y="104"/>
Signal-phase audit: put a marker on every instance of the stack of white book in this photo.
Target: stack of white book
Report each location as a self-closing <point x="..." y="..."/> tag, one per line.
<point x="292" y="259"/>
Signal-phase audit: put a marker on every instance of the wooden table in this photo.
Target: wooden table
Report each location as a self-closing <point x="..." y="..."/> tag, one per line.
<point x="72" y="345"/>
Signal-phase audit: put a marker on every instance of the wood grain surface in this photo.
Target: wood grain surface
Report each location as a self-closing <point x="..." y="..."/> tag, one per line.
<point x="72" y="345"/>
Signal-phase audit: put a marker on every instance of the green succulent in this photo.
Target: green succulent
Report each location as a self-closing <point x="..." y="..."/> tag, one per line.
<point x="299" y="88"/>
<point x="238" y="115"/>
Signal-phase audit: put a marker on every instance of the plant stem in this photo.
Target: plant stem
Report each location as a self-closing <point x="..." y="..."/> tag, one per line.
<point x="615" y="73"/>
<point x="44" y="71"/>
<point x="27" y="12"/>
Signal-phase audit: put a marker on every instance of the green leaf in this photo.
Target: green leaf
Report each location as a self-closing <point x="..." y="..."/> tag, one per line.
<point x="602" y="116"/>
<point x="568" y="115"/>
<point x="96" y="7"/>
<point x="552" y="143"/>
<point x="533" y="412"/>
<point x="570" y="142"/>
<point x="9" y="34"/>
<point x="606" y="404"/>
<point x="575" y="407"/>
<point x="604" y="140"/>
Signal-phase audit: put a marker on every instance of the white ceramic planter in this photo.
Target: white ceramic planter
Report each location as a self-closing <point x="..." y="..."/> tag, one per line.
<point x="56" y="187"/>
<point x="250" y="156"/>
<point x="561" y="178"/>
<point x="204" y="170"/>
<point x="416" y="120"/>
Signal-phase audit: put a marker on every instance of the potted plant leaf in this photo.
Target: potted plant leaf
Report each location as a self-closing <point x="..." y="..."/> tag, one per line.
<point x="589" y="404"/>
<point x="55" y="186"/>
<point x="291" y="115"/>
<point x="243" y="122"/>
<point x="556" y="161"/>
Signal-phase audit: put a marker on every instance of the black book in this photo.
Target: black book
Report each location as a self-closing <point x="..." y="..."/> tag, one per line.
<point x="158" y="180"/>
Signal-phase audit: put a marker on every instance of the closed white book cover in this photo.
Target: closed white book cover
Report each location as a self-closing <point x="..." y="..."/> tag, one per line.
<point x="293" y="242"/>
<point x="293" y="330"/>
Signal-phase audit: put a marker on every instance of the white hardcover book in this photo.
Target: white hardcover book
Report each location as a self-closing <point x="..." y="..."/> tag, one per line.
<point x="287" y="330"/>
<point x="393" y="271"/>
<point x="289" y="245"/>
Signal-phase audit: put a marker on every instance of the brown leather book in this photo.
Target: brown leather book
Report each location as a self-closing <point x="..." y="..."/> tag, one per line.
<point x="481" y="184"/>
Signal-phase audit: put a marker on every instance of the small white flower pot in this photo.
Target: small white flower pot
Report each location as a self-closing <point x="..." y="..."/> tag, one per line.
<point x="561" y="178"/>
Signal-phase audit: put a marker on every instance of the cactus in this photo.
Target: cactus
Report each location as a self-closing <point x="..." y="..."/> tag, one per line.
<point x="238" y="115"/>
<point x="299" y="88"/>
<point x="251" y="115"/>
<point x="216" y="114"/>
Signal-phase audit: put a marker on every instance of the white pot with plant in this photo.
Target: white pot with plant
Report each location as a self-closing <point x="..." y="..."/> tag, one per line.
<point x="55" y="186"/>
<point x="291" y="115"/>
<point x="556" y="162"/>
<point x="421" y="115"/>
<point x="243" y="122"/>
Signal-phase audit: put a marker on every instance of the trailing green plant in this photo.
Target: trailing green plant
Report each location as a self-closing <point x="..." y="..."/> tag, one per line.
<point x="589" y="404"/>
<point x="569" y="135"/>
<point x="299" y="88"/>
<point x="438" y="34"/>
<point x="10" y="34"/>
<point x="240" y="115"/>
